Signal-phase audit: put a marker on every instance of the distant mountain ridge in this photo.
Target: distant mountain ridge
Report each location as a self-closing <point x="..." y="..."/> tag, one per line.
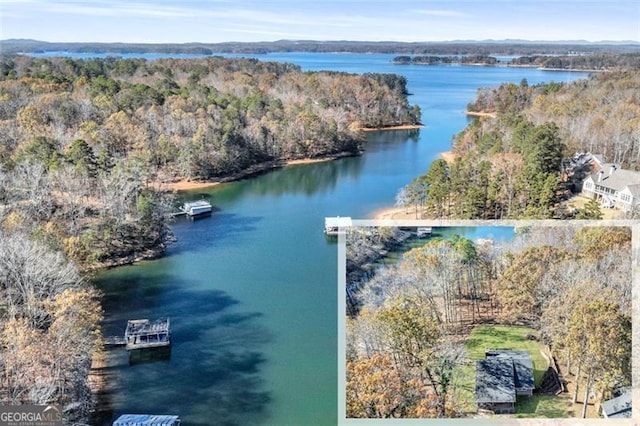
<point x="496" y="47"/>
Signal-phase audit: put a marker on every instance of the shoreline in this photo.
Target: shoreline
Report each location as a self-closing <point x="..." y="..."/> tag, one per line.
<point x="408" y="213"/>
<point x="480" y="114"/>
<point x="448" y="156"/>
<point x="397" y="213"/>
<point x="540" y="68"/>
<point x="189" y="185"/>
<point x="400" y="127"/>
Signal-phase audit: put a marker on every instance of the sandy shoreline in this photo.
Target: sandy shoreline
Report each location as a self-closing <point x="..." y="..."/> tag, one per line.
<point x="480" y="114"/>
<point x="397" y="213"/>
<point x="409" y="213"/>
<point x="402" y="127"/>
<point x="448" y="156"/>
<point x="189" y="185"/>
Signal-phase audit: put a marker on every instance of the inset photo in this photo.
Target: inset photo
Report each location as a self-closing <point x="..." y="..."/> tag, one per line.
<point x="529" y="320"/>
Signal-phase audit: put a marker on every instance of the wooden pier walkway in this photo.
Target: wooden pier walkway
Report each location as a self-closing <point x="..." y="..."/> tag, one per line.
<point x="115" y="341"/>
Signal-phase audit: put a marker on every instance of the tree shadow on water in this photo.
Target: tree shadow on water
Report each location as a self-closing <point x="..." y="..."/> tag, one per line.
<point x="220" y="228"/>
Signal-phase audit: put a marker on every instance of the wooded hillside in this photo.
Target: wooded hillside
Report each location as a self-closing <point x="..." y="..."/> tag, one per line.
<point x="81" y="140"/>
<point x="508" y="164"/>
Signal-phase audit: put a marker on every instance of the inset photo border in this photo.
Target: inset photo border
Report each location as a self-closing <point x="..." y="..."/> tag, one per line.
<point x="480" y="322"/>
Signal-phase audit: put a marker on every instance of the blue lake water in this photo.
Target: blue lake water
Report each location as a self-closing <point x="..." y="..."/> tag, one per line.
<point x="252" y="290"/>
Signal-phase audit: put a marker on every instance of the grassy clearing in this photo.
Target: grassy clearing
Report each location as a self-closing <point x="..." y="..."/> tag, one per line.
<point x="548" y="406"/>
<point x="508" y="337"/>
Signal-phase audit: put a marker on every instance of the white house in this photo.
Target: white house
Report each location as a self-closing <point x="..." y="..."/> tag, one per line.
<point x="613" y="187"/>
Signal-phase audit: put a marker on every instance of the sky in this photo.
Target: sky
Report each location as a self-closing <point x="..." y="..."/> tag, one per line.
<point x="211" y="21"/>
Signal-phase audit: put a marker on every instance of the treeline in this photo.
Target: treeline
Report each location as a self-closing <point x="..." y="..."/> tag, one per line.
<point x="595" y="61"/>
<point x="446" y="60"/>
<point x="81" y="141"/>
<point x="512" y="47"/>
<point x="510" y="164"/>
<point x="600" y="114"/>
<point x="404" y="351"/>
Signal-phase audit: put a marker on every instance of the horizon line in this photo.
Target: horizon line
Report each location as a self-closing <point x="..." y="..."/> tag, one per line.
<point x="502" y="41"/>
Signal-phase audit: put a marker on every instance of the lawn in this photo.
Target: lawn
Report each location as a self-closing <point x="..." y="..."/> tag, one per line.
<point x="509" y="337"/>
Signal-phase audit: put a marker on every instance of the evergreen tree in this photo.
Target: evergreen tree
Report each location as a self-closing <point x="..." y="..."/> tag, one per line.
<point x="591" y="210"/>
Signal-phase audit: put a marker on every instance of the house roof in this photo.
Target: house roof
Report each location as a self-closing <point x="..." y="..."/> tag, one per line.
<point x="619" y="407"/>
<point x="634" y="190"/>
<point x="495" y="381"/>
<point x="598" y="158"/>
<point x="617" y="180"/>
<point x="522" y="365"/>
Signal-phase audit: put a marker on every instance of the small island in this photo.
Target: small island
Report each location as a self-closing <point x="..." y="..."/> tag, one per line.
<point x="446" y="60"/>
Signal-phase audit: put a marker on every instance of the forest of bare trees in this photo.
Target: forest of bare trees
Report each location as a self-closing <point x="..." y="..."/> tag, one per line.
<point x="83" y="141"/>
<point x="49" y="327"/>
<point x="405" y="353"/>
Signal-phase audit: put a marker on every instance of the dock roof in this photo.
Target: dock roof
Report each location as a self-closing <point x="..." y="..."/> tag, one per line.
<point x="147" y="420"/>
<point x="198" y="203"/>
<point x="337" y="222"/>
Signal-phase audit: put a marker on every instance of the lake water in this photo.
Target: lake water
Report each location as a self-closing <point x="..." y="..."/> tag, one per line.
<point x="252" y="290"/>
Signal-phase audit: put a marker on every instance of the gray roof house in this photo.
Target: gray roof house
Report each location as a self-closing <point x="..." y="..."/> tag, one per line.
<point x="618" y="407"/>
<point x="613" y="186"/>
<point x="500" y="377"/>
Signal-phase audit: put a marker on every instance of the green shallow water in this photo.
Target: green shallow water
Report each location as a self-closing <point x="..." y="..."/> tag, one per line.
<point x="252" y="290"/>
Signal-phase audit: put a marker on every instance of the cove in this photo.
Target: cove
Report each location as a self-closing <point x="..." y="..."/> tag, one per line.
<point x="252" y="290"/>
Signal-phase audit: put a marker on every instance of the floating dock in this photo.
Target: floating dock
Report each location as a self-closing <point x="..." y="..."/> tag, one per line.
<point x="197" y="208"/>
<point x="332" y="225"/>
<point x="142" y="334"/>
<point x="147" y="420"/>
